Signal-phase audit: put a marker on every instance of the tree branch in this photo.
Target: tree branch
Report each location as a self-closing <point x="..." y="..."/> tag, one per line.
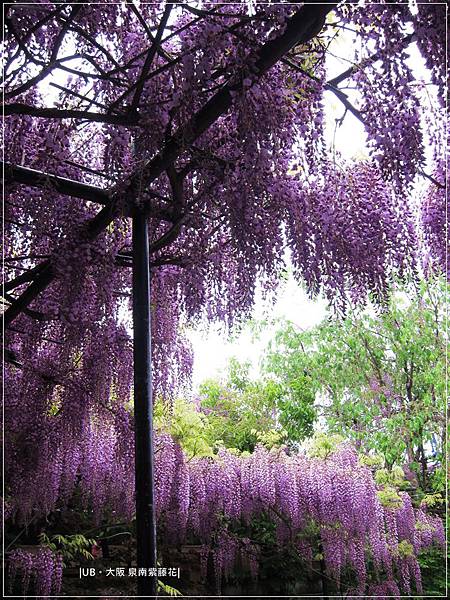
<point x="147" y="30"/>
<point x="62" y="34"/>
<point x="29" y="275"/>
<point x="34" y="314"/>
<point x="355" y="68"/>
<point x="305" y="24"/>
<point x="150" y="56"/>
<point x="342" y="96"/>
<point x="42" y="280"/>
<point x="76" y="95"/>
<point x="68" y="113"/>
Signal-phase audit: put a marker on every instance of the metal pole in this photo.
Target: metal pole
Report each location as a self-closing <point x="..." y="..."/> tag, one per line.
<point x="143" y="408"/>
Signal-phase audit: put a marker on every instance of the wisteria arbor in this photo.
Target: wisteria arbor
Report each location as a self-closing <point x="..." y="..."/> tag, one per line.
<point x="188" y="139"/>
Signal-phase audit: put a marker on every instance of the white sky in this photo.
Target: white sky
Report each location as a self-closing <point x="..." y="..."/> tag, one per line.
<point x="213" y="350"/>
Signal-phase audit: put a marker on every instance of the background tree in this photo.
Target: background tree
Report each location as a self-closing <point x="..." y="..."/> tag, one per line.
<point x="375" y="378"/>
<point x="241" y="411"/>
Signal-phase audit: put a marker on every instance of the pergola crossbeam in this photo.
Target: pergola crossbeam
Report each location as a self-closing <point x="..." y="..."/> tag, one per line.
<point x="34" y="178"/>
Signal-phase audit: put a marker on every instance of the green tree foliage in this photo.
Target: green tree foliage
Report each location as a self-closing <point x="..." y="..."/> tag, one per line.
<point x="186" y="424"/>
<point x="375" y="379"/>
<point x="72" y="547"/>
<point x="241" y="412"/>
<point x="433" y="572"/>
<point x="248" y="411"/>
<point x="237" y="414"/>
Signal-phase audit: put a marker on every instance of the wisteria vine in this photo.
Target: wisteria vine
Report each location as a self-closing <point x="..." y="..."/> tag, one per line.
<point x="203" y="499"/>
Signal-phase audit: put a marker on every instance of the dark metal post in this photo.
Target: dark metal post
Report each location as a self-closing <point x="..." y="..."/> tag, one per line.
<point x="143" y="408"/>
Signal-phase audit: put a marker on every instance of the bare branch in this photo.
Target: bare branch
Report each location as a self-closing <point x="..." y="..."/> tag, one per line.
<point x="67" y="113"/>
<point x="371" y="59"/>
<point x="34" y="314"/>
<point x="342" y="96"/>
<point x="150" y="56"/>
<point x="77" y="95"/>
<point x="62" y="34"/>
<point x="147" y="30"/>
<point x="29" y="275"/>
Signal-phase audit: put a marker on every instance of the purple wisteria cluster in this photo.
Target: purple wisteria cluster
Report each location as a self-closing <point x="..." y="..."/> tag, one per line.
<point x="226" y="189"/>
<point x="52" y="447"/>
<point x="177" y="110"/>
<point x="210" y="213"/>
<point x="350" y="232"/>
<point x="431" y="33"/>
<point x="255" y="183"/>
<point x="39" y="570"/>
<point x="435" y="223"/>
<point x="390" y="105"/>
<point x="329" y="503"/>
<point x="337" y="495"/>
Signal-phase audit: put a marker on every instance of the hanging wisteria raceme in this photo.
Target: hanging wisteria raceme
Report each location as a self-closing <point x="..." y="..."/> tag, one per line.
<point x="393" y="128"/>
<point x="212" y="268"/>
<point x="219" y="212"/>
<point x="431" y="34"/>
<point x="203" y="500"/>
<point x="59" y="402"/>
<point x="337" y="494"/>
<point x="435" y="223"/>
<point x="41" y="571"/>
<point x="350" y="233"/>
<point x="218" y="205"/>
<point x="384" y="71"/>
